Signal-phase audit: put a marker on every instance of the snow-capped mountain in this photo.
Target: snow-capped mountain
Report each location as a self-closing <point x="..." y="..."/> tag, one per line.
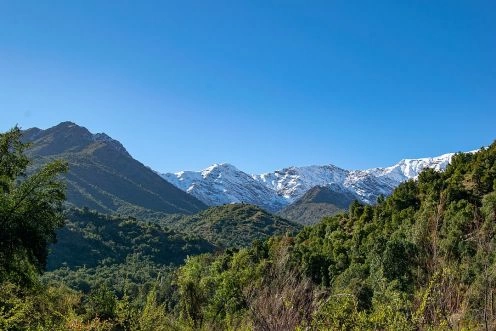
<point x="224" y="183"/>
<point x="369" y="184"/>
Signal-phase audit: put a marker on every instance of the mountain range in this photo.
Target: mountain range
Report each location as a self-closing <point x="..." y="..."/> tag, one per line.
<point x="224" y="183"/>
<point x="104" y="177"/>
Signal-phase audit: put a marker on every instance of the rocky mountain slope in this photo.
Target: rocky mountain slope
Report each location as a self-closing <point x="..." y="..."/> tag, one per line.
<point x="103" y="176"/>
<point x="316" y="203"/>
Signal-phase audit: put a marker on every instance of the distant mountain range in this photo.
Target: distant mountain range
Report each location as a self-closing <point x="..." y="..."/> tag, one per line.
<point x="224" y="183"/>
<point x="104" y="177"/>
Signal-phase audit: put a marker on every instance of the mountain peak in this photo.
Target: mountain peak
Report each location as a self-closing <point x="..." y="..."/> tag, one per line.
<point x="223" y="183"/>
<point x="70" y="137"/>
<point x="69" y="127"/>
<point x="67" y="124"/>
<point x="218" y="168"/>
<point x="103" y="176"/>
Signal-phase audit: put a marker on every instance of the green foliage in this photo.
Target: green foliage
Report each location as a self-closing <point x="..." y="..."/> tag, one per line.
<point x="234" y="225"/>
<point x="423" y="258"/>
<point x="30" y="210"/>
<point x="101" y="303"/>
<point x="36" y="308"/>
<point x="90" y="239"/>
<point x="58" y="308"/>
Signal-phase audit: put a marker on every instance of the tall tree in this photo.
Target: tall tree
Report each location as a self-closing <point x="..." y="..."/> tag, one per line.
<point x="30" y="210"/>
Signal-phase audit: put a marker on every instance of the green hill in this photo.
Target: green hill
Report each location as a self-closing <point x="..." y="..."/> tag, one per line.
<point x="104" y="177"/>
<point x="234" y="225"/>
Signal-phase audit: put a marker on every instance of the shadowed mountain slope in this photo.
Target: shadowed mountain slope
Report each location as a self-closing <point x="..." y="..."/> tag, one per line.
<point x="103" y="176"/>
<point x="316" y="203"/>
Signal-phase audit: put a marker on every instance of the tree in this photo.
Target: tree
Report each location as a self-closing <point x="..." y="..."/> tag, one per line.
<point x="30" y="210"/>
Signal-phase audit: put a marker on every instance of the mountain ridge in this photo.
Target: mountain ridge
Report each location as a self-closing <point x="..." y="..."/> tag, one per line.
<point x="285" y="186"/>
<point x="222" y="184"/>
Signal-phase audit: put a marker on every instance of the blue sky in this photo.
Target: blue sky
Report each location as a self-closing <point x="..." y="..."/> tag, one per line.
<point x="259" y="84"/>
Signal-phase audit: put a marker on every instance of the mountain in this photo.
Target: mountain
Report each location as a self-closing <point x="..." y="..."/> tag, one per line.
<point x="103" y="176"/>
<point x="234" y="225"/>
<point x="316" y="203"/>
<point x="223" y="183"/>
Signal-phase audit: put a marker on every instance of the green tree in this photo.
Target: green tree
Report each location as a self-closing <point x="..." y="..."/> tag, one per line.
<point x="30" y="210"/>
<point x="102" y="303"/>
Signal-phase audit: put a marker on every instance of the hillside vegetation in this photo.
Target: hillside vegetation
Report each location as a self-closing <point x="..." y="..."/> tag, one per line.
<point x="234" y="225"/>
<point x="89" y="239"/>
<point x="423" y="258"/>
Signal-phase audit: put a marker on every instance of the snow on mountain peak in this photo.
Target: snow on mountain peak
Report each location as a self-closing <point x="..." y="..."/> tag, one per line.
<point x="224" y="183"/>
<point x="217" y="169"/>
<point x="291" y="183"/>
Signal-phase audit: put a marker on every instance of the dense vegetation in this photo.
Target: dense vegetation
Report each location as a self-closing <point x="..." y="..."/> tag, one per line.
<point x="233" y="225"/>
<point x="421" y="259"/>
<point x="124" y="254"/>
<point x="89" y="239"/>
<point x="30" y="210"/>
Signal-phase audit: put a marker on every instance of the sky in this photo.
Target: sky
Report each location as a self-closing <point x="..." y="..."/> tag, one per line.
<point x="259" y="84"/>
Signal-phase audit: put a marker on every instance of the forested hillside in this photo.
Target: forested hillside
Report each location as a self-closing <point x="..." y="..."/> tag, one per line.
<point x="233" y="225"/>
<point x="89" y="239"/>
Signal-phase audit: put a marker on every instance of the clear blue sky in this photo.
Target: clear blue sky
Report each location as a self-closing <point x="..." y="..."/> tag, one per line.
<point x="259" y="84"/>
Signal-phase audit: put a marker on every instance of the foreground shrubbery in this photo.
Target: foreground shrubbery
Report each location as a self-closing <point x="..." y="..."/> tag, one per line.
<point x="60" y="308"/>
